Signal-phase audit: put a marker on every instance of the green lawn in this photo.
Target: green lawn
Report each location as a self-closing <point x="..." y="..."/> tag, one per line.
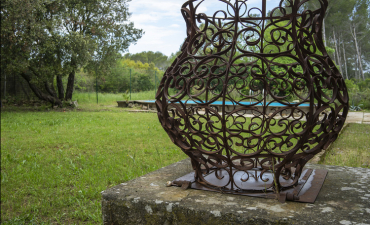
<point x="351" y="149"/>
<point x="55" y="164"/>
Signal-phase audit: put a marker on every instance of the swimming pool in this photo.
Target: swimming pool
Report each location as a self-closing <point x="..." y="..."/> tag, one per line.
<point x="230" y="106"/>
<point x="273" y="104"/>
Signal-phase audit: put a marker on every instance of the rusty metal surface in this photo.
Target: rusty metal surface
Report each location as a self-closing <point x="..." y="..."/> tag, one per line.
<point x="250" y="57"/>
<point x="307" y="190"/>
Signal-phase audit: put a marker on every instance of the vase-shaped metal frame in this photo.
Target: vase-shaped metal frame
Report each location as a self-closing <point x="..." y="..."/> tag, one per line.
<point x="254" y="95"/>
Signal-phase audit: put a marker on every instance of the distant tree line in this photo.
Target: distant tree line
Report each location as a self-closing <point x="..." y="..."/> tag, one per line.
<point x="159" y="59"/>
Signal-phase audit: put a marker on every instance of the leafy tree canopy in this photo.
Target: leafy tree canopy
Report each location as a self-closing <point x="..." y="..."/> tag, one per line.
<point x="42" y="40"/>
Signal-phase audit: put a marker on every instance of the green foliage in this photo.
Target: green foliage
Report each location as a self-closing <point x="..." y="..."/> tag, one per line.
<point x="351" y="86"/>
<point x="360" y="98"/>
<point x="117" y="79"/>
<point x="42" y="40"/>
<point x="126" y="96"/>
<point x="17" y="17"/>
<point x="355" y="107"/>
<point x="364" y="84"/>
<point x="83" y="82"/>
<point x="359" y="93"/>
<point x="159" y="59"/>
<point x="329" y="50"/>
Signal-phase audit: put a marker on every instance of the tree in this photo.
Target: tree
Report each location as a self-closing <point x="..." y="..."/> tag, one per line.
<point x="359" y="30"/>
<point x="51" y="39"/>
<point x="347" y="25"/>
<point x="20" y="29"/>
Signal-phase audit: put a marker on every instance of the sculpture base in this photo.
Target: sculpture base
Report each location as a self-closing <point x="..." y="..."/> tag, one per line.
<point x="343" y="199"/>
<point x="308" y="188"/>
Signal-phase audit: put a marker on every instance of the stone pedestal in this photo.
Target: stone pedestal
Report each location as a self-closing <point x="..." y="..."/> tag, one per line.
<point x="343" y="199"/>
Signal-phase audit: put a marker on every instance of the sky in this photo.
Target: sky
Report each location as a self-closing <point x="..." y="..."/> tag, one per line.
<point x="164" y="26"/>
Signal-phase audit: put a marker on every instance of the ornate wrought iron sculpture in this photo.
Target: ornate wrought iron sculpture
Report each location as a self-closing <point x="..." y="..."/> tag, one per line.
<point x="252" y="97"/>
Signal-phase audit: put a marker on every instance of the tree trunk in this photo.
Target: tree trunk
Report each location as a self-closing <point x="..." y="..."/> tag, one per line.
<point x="14" y="85"/>
<point x="340" y="56"/>
<point x="354" y="35"/>
<point x="356" y="67"/>
<point x="50" y="90"/>
<point x="39" y="93"/>
<point x="53" y="87"/>
<point x="5" y="86"/>
<point x="336" y="52"/>
<point x="323" y="23"/>
<point x="323" y="31"/>
<point x="24" y="91"/>
<point x="360" y="59"/>
<point x="60" y="88"/>
<point x="335" y="58"/>
<point x="70" y="85"/>
<point x="345" y="61"/>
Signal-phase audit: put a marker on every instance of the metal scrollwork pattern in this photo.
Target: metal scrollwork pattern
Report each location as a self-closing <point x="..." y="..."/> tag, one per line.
<point x="252" y="92"/>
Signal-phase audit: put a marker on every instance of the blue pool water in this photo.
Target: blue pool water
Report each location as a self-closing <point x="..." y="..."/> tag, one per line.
<point x="275" y="104"/>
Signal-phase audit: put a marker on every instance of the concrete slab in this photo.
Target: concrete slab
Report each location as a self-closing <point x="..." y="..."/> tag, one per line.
<point x="343" y="199"/>
<point x="355" y="117"/>
<point x="366" y="117"/>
